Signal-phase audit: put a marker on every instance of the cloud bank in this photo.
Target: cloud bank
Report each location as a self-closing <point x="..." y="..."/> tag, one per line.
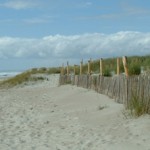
<point x="75" y="47"/>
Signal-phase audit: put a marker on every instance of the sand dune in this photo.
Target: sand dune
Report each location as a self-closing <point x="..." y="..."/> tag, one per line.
<point x="42" y="117"/>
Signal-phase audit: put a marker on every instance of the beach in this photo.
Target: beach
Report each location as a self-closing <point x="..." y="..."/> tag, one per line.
<point x="46" y="116"/>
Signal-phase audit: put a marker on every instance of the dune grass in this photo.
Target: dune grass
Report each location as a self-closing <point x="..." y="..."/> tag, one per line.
<point x="18" y="79"/>
<point x="138" y="106"/>
<point x="27" y="76"/>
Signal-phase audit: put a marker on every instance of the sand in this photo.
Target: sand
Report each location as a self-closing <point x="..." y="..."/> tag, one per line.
<point x="46" y="116"/>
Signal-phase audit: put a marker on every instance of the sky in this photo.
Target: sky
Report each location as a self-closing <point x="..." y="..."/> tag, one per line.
<point x="47" y="33"/>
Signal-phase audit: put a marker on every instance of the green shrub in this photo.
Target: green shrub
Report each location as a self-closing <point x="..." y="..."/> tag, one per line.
<point x="53" y="70"/>
<point x="37" y="78"/>
<point x="107" y="73"/>
<point x="42" y="70"/>
<point x="134" y="69"/>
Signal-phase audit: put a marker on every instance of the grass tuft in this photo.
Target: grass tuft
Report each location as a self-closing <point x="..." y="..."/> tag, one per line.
<point x="102" y="107"/>
<point x="139" y="106"/>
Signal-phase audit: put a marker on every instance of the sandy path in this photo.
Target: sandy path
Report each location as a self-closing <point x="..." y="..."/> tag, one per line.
<point x="67" y="118"/>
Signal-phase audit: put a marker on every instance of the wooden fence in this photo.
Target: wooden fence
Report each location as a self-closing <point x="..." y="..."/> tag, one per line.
<point x="120" y="87"/>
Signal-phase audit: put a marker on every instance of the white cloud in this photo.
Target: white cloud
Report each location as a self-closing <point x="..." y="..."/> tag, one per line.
<point x="19" y="4"/>
<point x="59" y="48"/>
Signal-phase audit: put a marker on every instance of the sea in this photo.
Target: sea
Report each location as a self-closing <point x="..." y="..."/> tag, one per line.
<point x="9" y="73"/>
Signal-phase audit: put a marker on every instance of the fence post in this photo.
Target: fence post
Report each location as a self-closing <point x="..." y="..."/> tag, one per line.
<point x="81" y="65"/>
<point x="67" y="68"/>
<point x="89" y="67"/>
<point x="75" y="69"/>
<point x="101" y="66"/>
<point x="62" y="69"/>
<point x="118" y="66"/>
<point x="124" y="60"/>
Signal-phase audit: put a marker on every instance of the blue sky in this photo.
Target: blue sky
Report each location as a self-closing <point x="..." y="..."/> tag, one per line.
<point x="36" y="33"/>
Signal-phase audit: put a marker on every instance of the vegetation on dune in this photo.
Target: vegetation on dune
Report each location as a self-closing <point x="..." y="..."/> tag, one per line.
<point x="138" y="105"/>
<point x="135" y="63"/>
<point x="109" y="67"/>
<point x="134" y="69"/>
<point x="28" y="76"/>
<point x="18" y="79"/>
